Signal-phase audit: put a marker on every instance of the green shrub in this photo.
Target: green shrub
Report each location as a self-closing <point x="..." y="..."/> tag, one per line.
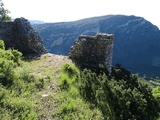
<point x="70" y="70"/>
<point x="2" y="44"/>
<point x="12" y="55"/>
<point x="68" y="76"/>
<point x="73" y="107"/>
<point x="9" y="59"/>
<point x="156" y="92"/>
<point x="71" y="104"/>
<point x="13" y="88"/>
<point x="121" y="96"/>
<point x="16" y="56"/>
<point x="16" y="108"/>
<point x="39" y="83"/>
<point x="6" y="72"/>
<point x="97" y="91"/>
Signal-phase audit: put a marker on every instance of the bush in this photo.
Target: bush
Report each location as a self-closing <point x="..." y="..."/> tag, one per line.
<point x="2" y="44"/>
<point x="68" y="76"/>
<point x="16" y="56"/>
<point x="6" y="72"/>
<point x="71" y="104"/>
<point x="9" y="59"/>
<point x="97" y="91"/>
<point x="121" y="96"/>
<point x="12" y="107"/>
<point x="156" y="92"/>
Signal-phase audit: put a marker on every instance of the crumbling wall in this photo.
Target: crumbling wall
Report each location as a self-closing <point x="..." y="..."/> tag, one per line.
<point x="6" y="31"/>
<point x="20" y="35"/>
<point x="92" y="51"/>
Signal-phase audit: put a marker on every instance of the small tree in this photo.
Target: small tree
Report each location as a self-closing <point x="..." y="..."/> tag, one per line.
<point x="4" y="13"/>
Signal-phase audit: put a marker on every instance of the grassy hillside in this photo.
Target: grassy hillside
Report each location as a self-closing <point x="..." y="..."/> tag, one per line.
<point x="31" y="94"/>
<point x="34" y="93"/>
<point x="52" y="87"/>
<point x="46" y="69"/>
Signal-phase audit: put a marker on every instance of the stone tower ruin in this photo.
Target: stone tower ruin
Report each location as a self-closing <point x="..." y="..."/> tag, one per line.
<point x="20" y="35"/>
<point x="93" y="51"/>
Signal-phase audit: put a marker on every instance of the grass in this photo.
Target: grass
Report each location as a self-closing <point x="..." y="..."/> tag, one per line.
<point x="46" y="88"/>
<point x="31" y="96"/>
<point x="71" y="105"/>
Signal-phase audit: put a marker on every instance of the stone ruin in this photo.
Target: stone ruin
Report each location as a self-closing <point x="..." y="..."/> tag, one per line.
<point x="93" y="51"/>
<point x="20" y="35"/>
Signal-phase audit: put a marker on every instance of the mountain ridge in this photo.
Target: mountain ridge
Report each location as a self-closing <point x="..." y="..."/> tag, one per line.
<point x="36" y="22"/>
<point x="136" y="44"/>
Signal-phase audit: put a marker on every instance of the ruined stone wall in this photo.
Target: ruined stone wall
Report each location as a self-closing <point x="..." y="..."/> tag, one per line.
<point x="91" y="51"/>
<point x="20" y="35"/>
<point x="6" y="30"/>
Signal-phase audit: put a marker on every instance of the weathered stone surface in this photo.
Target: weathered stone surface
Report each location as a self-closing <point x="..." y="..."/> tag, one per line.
<point x="91" y="51"/>
<point x="20" y="35"/>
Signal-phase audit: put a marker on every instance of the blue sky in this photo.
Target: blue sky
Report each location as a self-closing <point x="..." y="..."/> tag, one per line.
<point x="70" y="10"/>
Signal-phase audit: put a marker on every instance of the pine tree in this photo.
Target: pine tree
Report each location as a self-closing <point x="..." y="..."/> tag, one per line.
<point x="4" y="13"/>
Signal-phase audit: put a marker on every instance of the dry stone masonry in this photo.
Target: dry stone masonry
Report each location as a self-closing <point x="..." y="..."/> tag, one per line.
<point x="92" y="51"/>
<point x="20" y="35"/>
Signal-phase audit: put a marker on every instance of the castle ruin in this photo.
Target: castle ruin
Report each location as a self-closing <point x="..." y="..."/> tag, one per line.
<point x="20" y="35"/>
<point x="93" y="51"/>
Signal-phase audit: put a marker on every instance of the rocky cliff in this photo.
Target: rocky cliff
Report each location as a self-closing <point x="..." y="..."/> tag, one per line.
<point x="20" y="35"/>
<point x="136" y="40"/>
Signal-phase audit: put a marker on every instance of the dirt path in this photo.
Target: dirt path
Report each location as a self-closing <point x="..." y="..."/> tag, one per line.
<point x="48" y="64"/>
<point x="55" y="61"/>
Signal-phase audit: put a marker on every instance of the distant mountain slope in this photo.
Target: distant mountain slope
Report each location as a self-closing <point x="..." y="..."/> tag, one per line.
<point x="136" y="44"/>
<point x="36" y="22"/>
